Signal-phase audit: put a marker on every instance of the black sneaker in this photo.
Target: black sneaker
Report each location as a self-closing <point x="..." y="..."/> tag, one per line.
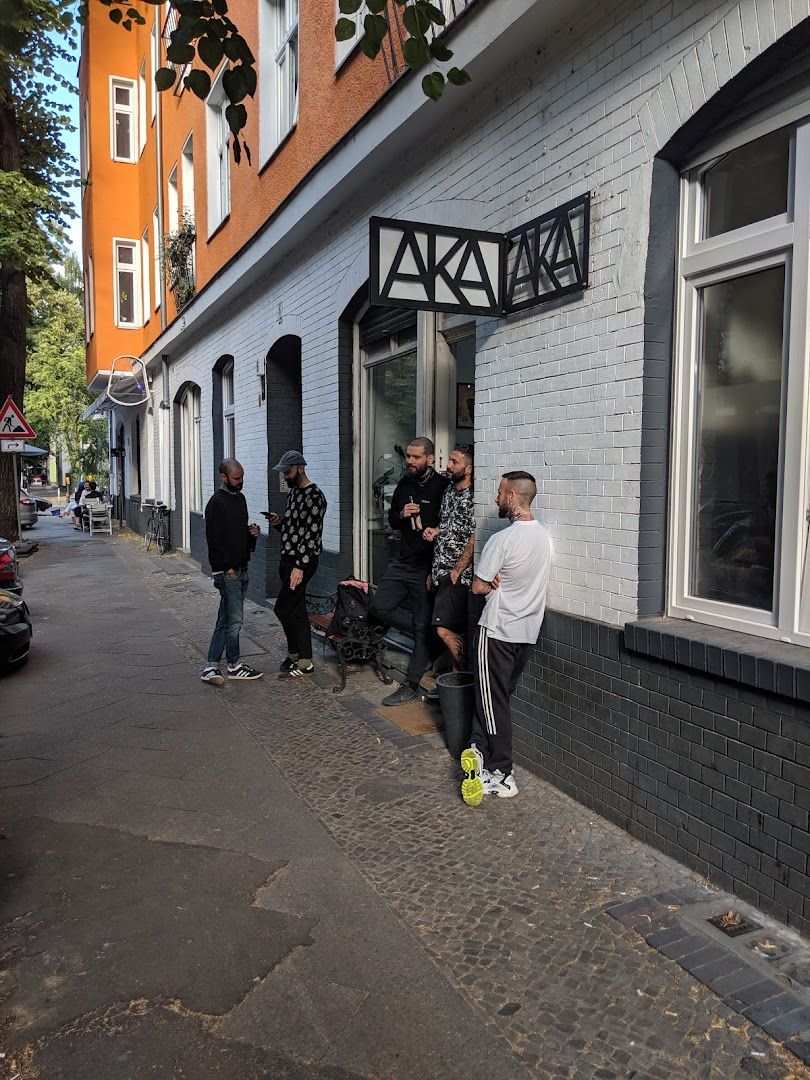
<point x="288" y="664"/>
<point x="212" y="675"/>
<point x="243" y="671"/>
<point x="402" y="696"/>
<point x="299" y="668"/>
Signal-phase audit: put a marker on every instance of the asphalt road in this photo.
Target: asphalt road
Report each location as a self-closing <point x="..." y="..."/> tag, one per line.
<point x="267" y="880"/>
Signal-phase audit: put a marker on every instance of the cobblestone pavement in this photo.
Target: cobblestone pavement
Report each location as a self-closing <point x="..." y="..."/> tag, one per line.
<point x="509" y="899"/>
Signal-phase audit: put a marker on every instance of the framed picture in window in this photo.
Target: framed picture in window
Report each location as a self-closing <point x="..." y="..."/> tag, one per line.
<point x="465" y="404"/>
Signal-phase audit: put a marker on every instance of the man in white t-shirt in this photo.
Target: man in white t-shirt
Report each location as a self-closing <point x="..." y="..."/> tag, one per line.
<point x="513" y="575"/>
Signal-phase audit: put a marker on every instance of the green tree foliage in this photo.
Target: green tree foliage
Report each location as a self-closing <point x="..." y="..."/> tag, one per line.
<point x="56" y="391"/>
<point x="206" y="34"/>
<point x="36" y="175"/>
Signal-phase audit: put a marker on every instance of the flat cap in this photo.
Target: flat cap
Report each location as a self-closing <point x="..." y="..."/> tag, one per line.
<point x="292" y="457"/>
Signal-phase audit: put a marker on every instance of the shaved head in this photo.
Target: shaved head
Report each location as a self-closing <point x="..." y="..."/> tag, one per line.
<point x="524" y="486"/>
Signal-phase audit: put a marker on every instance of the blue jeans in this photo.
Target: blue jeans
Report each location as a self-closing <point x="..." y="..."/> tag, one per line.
<point x="229" y="617"/>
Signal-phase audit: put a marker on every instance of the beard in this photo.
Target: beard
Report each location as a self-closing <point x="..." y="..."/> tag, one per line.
<point x="415" y="470"/>
<point x="503" y="512"/>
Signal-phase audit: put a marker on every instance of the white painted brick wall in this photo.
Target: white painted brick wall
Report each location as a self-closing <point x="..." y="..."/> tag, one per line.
<point x="558" y="391"/>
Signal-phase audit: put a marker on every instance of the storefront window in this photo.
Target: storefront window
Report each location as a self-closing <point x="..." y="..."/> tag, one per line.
<point x="737" y="452"/>
<point x="417" y="377"/>
<point x="748" y="184"/>
<point x="393" y="424"/>
<point x="741" y="448"/>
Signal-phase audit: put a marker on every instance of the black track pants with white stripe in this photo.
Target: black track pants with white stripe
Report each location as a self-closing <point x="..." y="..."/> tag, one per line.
<point x="498" y="667"/>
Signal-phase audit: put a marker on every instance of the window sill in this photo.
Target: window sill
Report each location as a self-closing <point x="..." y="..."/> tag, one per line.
<point x="277" y="148"/>
<point x="774" y="667"/>
<point x="218" y="228"/>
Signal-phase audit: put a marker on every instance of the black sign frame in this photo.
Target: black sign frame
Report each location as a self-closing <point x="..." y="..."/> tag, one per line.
<point x="526" y="235"/>
<point x="561" y="228"/>
<point x="427" y="278"/>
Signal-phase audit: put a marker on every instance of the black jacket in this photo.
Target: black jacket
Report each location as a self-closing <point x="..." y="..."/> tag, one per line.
<point x="226" y="530"/>
<point x="413" y="549"/>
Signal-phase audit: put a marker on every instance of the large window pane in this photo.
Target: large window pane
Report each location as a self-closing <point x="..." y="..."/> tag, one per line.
<point x="393" y="425"/>
<point x="737" y="452"/>
<point x="126" y="296"/>
<point x="748" y="184"/>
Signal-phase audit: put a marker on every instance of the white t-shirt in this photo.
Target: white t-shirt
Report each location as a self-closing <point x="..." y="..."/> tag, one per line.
<point x="521" y="554"/>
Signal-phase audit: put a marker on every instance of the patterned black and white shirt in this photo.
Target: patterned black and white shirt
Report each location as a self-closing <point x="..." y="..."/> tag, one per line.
<point x="456" y="526"/>
<point x="302" y="525"/>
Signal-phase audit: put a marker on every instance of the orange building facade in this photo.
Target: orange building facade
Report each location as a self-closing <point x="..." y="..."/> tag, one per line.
<point x="147" y="159"/>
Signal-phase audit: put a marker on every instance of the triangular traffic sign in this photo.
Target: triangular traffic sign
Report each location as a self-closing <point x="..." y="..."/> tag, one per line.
<point x="13" y="424"/>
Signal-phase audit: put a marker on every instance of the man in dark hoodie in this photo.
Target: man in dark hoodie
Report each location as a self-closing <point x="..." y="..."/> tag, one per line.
<point x="415" y="509"/>
<point x="230" y="542"/>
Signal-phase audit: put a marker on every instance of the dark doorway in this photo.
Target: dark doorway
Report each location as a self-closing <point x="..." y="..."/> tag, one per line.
<point x="284" y="430"/>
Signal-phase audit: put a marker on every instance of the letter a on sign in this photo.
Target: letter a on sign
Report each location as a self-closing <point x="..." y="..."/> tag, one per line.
<point x="13" y="424"/>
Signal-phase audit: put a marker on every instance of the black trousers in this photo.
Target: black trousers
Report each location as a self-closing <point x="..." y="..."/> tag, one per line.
<point x="291" y="609"/>
<point x="498" y="666"/>
<point x="402" y="583"/>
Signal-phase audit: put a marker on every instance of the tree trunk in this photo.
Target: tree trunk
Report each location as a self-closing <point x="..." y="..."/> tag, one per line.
<point x="13" y="325"/>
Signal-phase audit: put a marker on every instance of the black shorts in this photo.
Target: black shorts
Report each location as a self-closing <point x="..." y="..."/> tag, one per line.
<point x="450" y="607"/>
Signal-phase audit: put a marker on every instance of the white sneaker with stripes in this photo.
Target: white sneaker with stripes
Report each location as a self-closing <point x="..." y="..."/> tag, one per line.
<point x="505" y="787"/>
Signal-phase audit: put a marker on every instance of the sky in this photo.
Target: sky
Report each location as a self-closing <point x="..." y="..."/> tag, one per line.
<point x="70" y="72"/>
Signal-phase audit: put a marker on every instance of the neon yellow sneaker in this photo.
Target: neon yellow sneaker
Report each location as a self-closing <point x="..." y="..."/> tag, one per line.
<point x="472" y="786"/>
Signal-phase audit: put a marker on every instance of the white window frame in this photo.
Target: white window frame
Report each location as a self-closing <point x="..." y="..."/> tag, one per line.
<point x="218" y="155"/>
<point x="131" y="111"/>
<point x="154" y="63"/>
<point x="89" y="314"/>
<point x="169" y="26"/>
<point x="187" y="176"/>
<point x="135" y="267"/>
<point x="141" y="108"/>
<point x="172" y="202"/>
<point x="278" y="71"/>
<point x="344" y="49"/>
<point x="228" y="411"/>
<point x="156" y="264"/>
<point x="146" y="266"/>
<point x="780" y="240"/>
<point x="85" y="141"/>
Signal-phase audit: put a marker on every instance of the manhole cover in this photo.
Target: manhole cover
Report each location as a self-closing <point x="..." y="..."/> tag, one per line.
<point x="799" y="973"/>
<point x="770" y="949"/>
<point x="732" y="923"/>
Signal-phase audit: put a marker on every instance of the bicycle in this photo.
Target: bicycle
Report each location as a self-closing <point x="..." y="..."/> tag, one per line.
<point x="157" y="528"/>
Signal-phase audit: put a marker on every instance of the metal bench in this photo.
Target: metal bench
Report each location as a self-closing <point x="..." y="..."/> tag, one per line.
<point x="360" y="643"/>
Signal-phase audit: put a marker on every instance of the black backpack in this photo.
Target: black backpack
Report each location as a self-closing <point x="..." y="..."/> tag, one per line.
<point x="352" y="605"/>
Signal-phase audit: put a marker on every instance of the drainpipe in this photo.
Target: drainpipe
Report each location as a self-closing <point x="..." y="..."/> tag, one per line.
<point x="159" y="172"/>
<point x="165" y="430"/>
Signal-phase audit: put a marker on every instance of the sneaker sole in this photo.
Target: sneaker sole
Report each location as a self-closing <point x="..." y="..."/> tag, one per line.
<point x="214" y="680"/>
<point x="472" y="786"/>
<point x="296" y="674"/>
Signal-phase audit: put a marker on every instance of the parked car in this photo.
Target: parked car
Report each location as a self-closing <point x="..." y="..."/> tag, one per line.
<point x="28" y="510"/>
<point x="9" y="568"/>
<point x="16" y="630"/>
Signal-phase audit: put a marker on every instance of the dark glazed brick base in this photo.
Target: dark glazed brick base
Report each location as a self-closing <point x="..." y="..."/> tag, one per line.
<point x="710" y="772"/>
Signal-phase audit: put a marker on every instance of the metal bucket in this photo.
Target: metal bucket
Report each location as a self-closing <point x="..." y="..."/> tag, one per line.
<point x="456" y="696"/>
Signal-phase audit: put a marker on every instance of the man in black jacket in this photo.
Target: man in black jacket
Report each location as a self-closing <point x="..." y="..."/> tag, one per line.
<point x="230" y="542"/>
<point x="415" y="508"/>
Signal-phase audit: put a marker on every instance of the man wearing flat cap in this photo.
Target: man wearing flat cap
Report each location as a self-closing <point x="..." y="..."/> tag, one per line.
<point x="301" y="528"/>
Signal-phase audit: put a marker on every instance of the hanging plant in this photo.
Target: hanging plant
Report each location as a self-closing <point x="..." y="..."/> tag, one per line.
<point x="178" y="261"/>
